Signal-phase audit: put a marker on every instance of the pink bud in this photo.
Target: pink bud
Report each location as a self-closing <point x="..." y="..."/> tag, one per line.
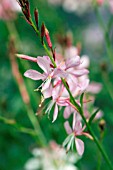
<point x="42" y="32"/>
<point x="36" y="17"/>
<point x="48" y="38"/>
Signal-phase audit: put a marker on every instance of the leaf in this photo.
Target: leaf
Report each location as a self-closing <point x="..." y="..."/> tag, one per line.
<point x="93" y="116"/>
<point x="81" y="99"/>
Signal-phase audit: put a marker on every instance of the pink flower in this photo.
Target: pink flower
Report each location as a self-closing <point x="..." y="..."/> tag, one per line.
<point x="8" y="9"/>
<point x="74" y="132"/>
<point x="48" y="74"/>
<point x="57" y="100"/>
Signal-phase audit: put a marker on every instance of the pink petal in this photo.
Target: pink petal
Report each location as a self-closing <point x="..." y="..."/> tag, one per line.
<point x="78" y="128"/>
<point x="79" y="72"/>
<point x="46" y="84"/>
<point x="48" y="92"/>
<point x="72" y="62"/>
<point x="59" y="73"/>
<point x="67" y="112"/>
<point x="55" y="113"/>
<point x="34" y="75"/>
<point x="79" y="146"/>
<point x="67" y="127"/>
<point x="43" y="64"/>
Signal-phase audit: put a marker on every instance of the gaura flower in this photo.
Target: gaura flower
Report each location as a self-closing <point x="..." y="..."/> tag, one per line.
<point x="48" y="74"/>
<point x="74" y="132"/>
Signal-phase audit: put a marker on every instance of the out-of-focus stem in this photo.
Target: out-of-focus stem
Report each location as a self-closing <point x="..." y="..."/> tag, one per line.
<point x="22" y="88"/>
<point x="108" y="84"/>
<point x="106" y="33"/>
<point x="17" y="126"/>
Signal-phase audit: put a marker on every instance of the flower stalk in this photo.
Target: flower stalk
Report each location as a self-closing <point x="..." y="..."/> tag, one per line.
<point x="72" y="98"/>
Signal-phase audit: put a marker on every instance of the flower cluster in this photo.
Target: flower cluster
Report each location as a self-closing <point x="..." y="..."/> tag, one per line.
<point x="52" y="158"/>
<point x="8" y="9"/>
<point x="52" y="85"/>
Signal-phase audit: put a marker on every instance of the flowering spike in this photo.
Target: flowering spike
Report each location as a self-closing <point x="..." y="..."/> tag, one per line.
<point x="42" y="32"/>
<point x="36" y="17"/>
<point x="24" y="4"/>
<point x="48" y="38"/>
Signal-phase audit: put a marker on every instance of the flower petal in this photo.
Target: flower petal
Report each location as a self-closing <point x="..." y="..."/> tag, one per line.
<point x="67" y="112"/>
<point x="72" y="62"/>
<point x="59" y="73"/>
<point x="78" y="128"/>
<point x="34" y="75"/>
<point x="46" y="84"/>
<point x="43" y="64"/>
<point x="48" y="92"/>
<point x="67" y="127"/>
<point x="79" y="72"/>
<point x="55" y="113"/>
<point x="79" y="146"/>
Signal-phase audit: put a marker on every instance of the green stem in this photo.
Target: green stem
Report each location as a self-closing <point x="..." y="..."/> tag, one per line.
<point x="18" y="127"/>
<point x="41" y="138"/>
<point x="107" y="83"/>
<point x="97" y="141"/>
<point x="106" y="33"/>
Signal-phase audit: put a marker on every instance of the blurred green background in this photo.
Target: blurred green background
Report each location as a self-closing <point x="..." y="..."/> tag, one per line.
<point x="15" y="146"/>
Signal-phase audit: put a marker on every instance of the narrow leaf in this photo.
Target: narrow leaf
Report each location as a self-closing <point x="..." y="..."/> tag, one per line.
<point x="93" y="116"/>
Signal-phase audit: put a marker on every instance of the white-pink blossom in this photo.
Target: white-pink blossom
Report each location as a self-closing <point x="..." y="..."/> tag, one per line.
<point x="8" y="9"/>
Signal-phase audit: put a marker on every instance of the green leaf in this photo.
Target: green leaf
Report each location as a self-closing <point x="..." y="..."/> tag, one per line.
<point x="93" y="116"/>
<point x="81" y="99"/>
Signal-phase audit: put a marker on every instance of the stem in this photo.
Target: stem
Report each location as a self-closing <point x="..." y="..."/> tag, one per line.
<point x="106" y="33"/>
<point x="97" y="141"/>
<point x="107" y="83"/>
<point x="18" y="127"/>
<point x="30" y="112"/>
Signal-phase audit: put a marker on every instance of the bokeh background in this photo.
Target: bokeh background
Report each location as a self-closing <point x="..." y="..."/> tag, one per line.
<point x="15" y="146"/>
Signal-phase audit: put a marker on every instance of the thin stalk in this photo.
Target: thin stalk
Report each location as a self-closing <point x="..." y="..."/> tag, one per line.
<point x="106" y="33"/>
<point x="108" y="84"/>
<point x="17" y="126"/>
<point x="97" y="142"/>
<point x="22" y="87"/>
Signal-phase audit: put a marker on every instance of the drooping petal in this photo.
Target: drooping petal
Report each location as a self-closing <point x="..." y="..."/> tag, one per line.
<point x="72" y="62"/>
<point x="34" y="75"/>
<point x="43" y="64"/>
<point x="67" y="112"/>
<point x="67" y="127"/>
<point x="79" y="146"/>
<point x="74" y="121"/>
<point x="78" y="128"/>
<point x="79" y="72"/>
<point x="55" y="113"/>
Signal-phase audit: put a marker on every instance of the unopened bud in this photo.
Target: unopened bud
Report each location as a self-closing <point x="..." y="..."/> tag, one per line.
<point x="36" y="17"/>
<point x="104" y="66"/>
<point x="48" y="38"/>
<point x="102" y="124"/>
<point x="42" y="32"/>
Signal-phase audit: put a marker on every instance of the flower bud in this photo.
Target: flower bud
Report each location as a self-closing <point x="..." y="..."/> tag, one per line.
<point x="48" y="38"/>
<point x="36" y="17"/>
<point x="102" y="124"/>
<point x="42" y="32"/>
